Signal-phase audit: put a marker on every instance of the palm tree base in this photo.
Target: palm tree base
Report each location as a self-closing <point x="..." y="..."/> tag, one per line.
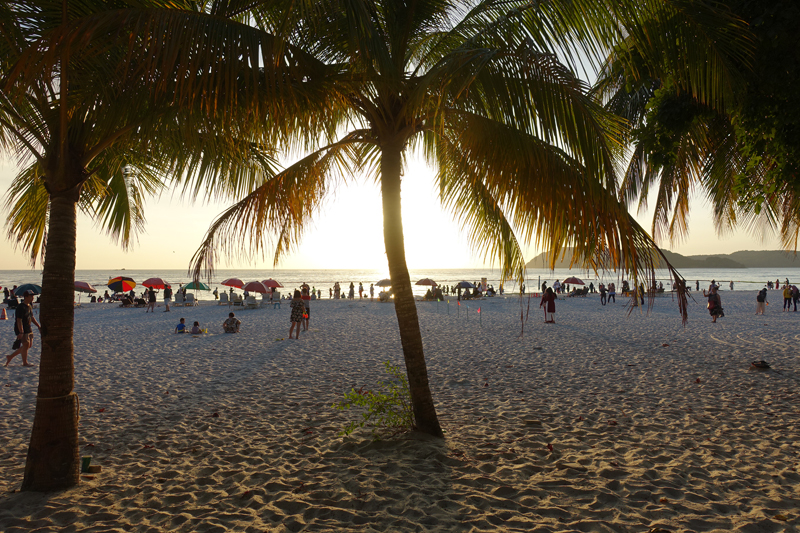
<point x="53" y="460"/>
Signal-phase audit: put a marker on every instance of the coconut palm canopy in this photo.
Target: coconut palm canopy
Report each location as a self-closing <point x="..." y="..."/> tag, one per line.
<point x="487" y="93"/>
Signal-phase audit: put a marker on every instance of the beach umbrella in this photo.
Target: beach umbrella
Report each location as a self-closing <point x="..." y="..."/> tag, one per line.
<point x="233" y="282"/>
<point x="82" y="286"/>
<point x="121" y="284"/>
<point x="28" y="287"/>
<point x="156" y="283"/>
<point x="427" y="281"/>
<point x="466" y="285"/>
<point x="384" y="283"/>
<point x="198" y="286"/>
<point x="256" y="286"/>
<point x="574" y="281"/>
<point x="272" y="284"/>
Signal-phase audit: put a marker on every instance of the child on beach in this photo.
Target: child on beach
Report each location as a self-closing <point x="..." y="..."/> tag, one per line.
<point x="231" y="325"/>
<point x="196" y="329"/>
<point x="714" y="304"/>
<point x="181" y="327"/>
<point x="298" y="309"/>
<point x="549" y="304"/>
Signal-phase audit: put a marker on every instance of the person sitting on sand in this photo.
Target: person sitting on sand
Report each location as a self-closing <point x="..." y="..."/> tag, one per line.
<point x="231" y="325"/>
<point x="196" y="328"/>
<point x="549" y="304"/>
<point x="298" y="309"/>
<point x="181" y="327"/>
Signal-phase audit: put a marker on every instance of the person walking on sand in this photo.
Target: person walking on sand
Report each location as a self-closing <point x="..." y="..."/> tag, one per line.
<point x="761" y="301"/>
<point x="306" y="297"/>
<point x="151" y="300"/>
<point x="714" y="303"/>
<point x="549" y="304"/>
<point x="787" y="298"/>
<point x="23" y="317"/>
<point x="298" y="308"/>
<point x="216" y="293"/>
<point x="167" y="298"/>
<point x="612" y="293"/>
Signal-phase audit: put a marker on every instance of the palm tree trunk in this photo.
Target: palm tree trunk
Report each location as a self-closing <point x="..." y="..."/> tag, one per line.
<point x="405" y="307"/>
<point x="53" y="457"/>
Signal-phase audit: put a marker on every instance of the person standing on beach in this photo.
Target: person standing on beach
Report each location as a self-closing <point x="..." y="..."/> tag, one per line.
<point x="556" y="287"/>
<point x="151" y="300"/>
<point x="761" y="301"/>
<point x="787" y="298"/>
<point x="216" y="293"/>
<point x="360" y="290"/>
<point x="714" y="304"/>
<point x="167" y="298"/>
<point x="306" y="297"/>
<point x="371" y="292"/>
<point x="298" y="308"/>
<point x="602" y="294"/>
<point x="23" y="317"/>
<point x="731" y="284"/>
<point x="612" y="292"/>
<point x="351" y="295"/>
<point x="549" y="304"/>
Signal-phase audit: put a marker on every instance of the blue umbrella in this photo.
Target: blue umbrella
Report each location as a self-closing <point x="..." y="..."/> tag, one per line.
<point x="28" y="287"/>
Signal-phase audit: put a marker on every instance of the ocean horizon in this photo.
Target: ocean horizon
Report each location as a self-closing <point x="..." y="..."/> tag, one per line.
<point x="324" y="279"/>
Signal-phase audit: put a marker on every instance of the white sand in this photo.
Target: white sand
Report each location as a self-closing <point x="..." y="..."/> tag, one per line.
<point x="637" y="441"/>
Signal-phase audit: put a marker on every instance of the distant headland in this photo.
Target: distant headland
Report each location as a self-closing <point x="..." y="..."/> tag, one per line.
<point x="741" y="259"/>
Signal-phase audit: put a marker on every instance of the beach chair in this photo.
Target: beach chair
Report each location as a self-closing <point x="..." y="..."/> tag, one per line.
<point x="238" y="299"/>
<point x="223" y="299"/>
<point x="179" y="301"/>
<point x="190" y="301"/>
<point x="265" y="299"/>
<point x="251" y="303"/>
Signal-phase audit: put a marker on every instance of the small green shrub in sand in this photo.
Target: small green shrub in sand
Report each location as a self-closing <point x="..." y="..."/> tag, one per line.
<point x="387" y="408"/>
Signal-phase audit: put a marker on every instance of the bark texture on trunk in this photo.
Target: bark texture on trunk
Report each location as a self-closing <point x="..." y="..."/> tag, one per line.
<point x="405" y="307"/>
<point x="53" y="457"/>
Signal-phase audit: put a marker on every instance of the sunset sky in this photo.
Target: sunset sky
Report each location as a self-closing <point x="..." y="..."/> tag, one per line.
<point x="348" y="234"/>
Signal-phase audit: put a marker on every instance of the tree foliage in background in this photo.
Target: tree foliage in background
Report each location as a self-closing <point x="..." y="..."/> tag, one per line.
<point x="741" y="152"/>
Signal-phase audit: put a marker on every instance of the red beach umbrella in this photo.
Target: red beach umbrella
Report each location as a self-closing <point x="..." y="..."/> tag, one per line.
<point x="82" y="286"/>
<point x="256" y="286"/>
<point x="233" y="282"/>
<point x="574" y="281"/>
<point x="271" y="283"/>
<point x="156" y="283"/>
<point x="427" y="281"/>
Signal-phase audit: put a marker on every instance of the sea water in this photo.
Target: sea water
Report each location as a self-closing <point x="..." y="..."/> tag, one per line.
<point x="743" y="278"/>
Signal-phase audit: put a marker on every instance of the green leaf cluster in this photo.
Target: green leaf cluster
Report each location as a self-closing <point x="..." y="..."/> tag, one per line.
<point x="388" y="407"/>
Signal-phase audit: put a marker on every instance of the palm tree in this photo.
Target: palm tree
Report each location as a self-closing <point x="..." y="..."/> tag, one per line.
<point x="486" y="91"/>
<point x="91" y="132"/>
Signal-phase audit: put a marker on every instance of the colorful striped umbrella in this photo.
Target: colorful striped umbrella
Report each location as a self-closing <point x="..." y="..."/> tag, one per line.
<point x="121" y="284"/>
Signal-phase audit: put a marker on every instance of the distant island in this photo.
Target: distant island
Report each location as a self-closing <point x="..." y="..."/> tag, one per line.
<point x="741" y="259"/>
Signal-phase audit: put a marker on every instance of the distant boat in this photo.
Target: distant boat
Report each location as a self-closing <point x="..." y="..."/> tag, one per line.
<point x="123" y="269"/>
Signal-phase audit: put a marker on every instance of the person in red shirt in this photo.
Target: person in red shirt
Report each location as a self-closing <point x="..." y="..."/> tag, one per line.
<point x="549" y="304"/>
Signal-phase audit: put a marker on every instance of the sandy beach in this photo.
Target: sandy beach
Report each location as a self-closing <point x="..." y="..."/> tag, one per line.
<point x="602" y="422"/>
